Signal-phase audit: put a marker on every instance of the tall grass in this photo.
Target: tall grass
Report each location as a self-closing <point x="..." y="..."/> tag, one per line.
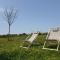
<point x="11" y="50"/>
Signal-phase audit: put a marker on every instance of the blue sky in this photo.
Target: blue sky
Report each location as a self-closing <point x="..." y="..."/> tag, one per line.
<point x="33" y="15"/>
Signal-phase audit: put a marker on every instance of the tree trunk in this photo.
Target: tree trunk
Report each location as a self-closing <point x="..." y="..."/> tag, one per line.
<point x="9" y="33"/>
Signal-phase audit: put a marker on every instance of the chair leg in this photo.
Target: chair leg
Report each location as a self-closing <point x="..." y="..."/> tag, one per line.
<point x="58" y="46"/>
<point x="51" y="49"/>
<point x="44" y="44"/>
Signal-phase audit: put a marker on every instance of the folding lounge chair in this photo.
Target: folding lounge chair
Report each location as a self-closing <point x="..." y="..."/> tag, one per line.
<point x="30" y="40"/>
<point x="53" y="34"/>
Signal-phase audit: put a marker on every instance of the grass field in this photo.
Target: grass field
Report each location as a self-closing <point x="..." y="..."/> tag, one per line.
<point x="10" y="50"/>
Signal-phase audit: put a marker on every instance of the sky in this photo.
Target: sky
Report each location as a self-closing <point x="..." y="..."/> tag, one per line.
<point x="32" y="15"/>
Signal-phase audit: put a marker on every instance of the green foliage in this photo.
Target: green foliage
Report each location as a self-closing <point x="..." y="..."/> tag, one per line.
<point x="40" y="39"/>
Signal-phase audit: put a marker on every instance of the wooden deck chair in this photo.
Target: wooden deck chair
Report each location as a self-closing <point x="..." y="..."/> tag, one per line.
<point x="30" y="40"/>
<point x="53" y="34"/>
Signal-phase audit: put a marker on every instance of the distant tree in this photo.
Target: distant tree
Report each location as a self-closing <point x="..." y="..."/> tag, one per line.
<point x="24" y="34"/>
<point x="10" y="15"/>
<point x="40" y="33"/>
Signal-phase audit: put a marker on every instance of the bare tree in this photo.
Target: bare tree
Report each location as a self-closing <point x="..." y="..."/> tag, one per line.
<point x="10" y="15"/>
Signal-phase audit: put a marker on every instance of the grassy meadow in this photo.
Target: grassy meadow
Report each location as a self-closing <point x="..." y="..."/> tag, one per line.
<point x="11" y="50"/>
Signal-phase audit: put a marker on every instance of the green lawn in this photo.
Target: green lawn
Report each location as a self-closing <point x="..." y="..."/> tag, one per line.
<point x="10" y="50"/>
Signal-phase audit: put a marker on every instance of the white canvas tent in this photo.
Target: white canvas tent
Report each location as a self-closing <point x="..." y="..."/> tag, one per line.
<point x="53" y="34"/>
<point x="31" y="39"/>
